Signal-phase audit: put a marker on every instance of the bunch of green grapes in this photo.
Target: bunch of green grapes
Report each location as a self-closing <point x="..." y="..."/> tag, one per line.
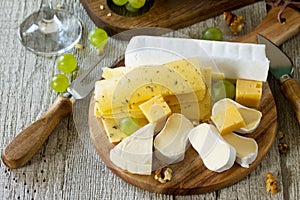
<point x="130" y="5"/>
<point x="66" y="63"/>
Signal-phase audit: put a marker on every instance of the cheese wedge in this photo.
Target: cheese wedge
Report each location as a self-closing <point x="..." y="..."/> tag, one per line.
<point x="246" y="148"/>
<point x="216" y="153"/>
<point x="227" y="117"/>
<point x="170" y="144"/>
<point x="134" y="153"/>
<point x="250" y="116"/>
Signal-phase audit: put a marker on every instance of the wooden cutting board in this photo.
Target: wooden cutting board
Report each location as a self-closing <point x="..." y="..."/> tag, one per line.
<point x="190" y="176"/>
<point x="172" y="14"/>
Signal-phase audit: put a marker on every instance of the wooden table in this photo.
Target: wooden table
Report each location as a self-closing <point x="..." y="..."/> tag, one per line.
<point x="65" y="169"/>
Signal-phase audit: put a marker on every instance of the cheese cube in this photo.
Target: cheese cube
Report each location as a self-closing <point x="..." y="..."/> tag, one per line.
<point x="155" y="109"/>
<point x="229" y="120"/>
<point x="248" y="92"/>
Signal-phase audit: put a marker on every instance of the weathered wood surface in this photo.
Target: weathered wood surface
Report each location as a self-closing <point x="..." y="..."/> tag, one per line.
<point x="65" y="169"/>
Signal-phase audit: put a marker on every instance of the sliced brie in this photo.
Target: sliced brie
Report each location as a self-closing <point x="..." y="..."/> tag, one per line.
<point x="246" y="148"/>
<point x="170" y="144"/>
<point x="134" y="153"/>
<point x="216" y="153"/>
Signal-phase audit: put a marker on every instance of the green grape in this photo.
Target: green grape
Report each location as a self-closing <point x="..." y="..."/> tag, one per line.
<point x="212" y="34"/>
<point x="66" y="63"/>
<point x="98" y="37"/>
<point x="222" y="89"/>
<point x="120" y="2"/>
<point x="59" y="83"/>
<point x="137" y="3"/>
<point x="129" y="125"/>
<point x="130" y="8"/>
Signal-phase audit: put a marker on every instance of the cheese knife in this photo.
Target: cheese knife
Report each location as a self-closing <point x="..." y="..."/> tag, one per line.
<point x="281" y="67"/>
<point x="23" y="147"/>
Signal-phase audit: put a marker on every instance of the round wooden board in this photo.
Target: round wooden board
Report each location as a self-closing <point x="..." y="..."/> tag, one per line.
<point x="190" y="176"/>
<point x="172" y="14"/>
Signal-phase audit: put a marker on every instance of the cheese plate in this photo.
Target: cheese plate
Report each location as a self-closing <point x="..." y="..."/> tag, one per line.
<point x="190" y="176"/>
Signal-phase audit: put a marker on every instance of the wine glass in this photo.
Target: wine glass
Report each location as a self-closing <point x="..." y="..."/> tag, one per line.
<point x="50" y="31"/>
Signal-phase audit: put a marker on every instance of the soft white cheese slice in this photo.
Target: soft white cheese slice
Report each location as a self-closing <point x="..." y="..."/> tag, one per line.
<point x="246" y="148"/>
<point x="170" y="144"/>
<point x="235" y="60"/>
<point x="134" y="153"/>
<point x="216" y="153"/>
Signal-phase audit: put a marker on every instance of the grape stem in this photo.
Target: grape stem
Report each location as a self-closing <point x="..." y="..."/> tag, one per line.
<point x="284" y="4"/>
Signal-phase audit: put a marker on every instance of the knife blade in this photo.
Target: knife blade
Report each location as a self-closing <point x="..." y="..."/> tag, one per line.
<point x="23" y="147"/>
<point x="281" y="67"/>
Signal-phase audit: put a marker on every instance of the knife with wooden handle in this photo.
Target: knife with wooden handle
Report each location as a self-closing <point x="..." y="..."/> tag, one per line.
<point x="282" y="67"/>
<point x="23" y="147"/>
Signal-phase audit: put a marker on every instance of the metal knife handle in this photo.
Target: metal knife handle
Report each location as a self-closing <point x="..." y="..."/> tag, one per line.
<point x="23" y="147"/>
<point x="291" y="90"/>
<point x="275" y="31"/>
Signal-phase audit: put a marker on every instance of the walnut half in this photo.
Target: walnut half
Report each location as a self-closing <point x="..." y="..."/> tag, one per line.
<point x="163" y="174"/>
<point x="271" y="183"/>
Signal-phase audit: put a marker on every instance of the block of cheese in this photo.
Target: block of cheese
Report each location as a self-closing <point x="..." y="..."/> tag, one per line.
<point x="134" y="153"/>
<point x="216" y="153"/>
<point x="112" y="128"/>
<point x="155" y="109"/>
<point x="171" y="143"/>
<point x="227" y="118"/>
<point x="235" y="60"/>
<point x="248" y="92"/>
<point x="246" y="148"/>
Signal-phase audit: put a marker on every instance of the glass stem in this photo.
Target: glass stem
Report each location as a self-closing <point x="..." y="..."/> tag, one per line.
<point x="47" y="10"/>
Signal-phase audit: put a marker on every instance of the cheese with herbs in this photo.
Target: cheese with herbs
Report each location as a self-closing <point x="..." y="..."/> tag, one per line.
<point x="142" y="83"/>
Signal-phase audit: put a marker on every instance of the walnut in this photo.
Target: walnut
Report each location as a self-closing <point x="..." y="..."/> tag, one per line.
<point x="163" y="174"/>
<point x="236" y="23"/>
<point x="271" y="183"/>
<point x="283" y="147"/>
